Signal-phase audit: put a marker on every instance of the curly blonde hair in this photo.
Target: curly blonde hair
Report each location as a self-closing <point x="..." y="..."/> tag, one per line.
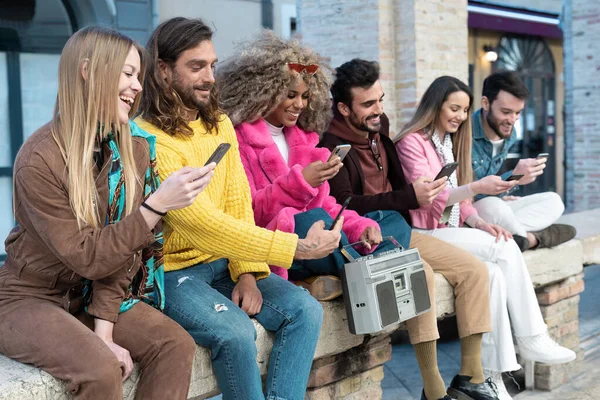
<point x="255" y="80"/>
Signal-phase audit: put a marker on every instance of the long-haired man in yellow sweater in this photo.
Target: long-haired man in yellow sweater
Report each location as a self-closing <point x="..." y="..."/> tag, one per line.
<point x="215" y="257"/>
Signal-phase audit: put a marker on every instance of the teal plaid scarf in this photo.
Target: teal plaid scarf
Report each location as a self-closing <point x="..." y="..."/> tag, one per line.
<point x="148" y="284"/>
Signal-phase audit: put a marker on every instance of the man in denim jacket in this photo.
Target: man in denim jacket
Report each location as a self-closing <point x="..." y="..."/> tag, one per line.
<point x="529" y="218"/>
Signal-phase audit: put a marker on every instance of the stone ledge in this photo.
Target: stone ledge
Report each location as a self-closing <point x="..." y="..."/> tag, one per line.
<point x="18" y="381"/>
<point x="587" y="224"/>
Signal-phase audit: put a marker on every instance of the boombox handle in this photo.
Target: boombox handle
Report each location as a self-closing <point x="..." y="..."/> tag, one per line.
<point x="349" y="251"/>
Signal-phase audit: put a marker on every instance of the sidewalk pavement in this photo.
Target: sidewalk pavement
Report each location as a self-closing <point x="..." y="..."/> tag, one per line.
<point x="402" y="380"/>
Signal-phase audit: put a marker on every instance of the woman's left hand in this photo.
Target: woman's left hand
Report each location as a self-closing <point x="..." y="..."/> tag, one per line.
<point x="494" y="230"/>
<point x="370" y="237"/>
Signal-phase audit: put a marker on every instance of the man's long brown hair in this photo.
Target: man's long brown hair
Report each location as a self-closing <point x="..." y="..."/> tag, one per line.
<point x="161" y="105"/>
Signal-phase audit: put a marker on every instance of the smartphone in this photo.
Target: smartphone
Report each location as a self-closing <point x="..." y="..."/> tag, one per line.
<point x="218" y="154"/>
<point x="446" y="170"/>
<point x="543" y="155"/>
<point x="341" y="150"/>
<point x="514" y="177"/>
<point x="344" y="205"/>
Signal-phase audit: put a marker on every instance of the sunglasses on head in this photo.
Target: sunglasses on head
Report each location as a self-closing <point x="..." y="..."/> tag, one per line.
<point x="309" y="69"/>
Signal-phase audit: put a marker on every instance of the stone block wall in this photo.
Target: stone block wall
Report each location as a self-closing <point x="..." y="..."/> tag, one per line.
<point x="581" y="21"/>
<point x="414" y="42"/>
<point x="559" y="303"/>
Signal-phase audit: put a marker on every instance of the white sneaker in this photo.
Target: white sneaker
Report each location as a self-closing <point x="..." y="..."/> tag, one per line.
<point x="541" y="348"/>
<point x="496" y="379"/>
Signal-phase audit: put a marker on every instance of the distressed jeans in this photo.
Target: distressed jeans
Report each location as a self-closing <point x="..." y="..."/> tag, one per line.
<point x="199" y="299"/>
<point x="391" y="223"/>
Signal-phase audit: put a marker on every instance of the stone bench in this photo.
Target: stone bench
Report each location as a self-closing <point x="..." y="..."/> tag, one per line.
<point x="350" y="366"/>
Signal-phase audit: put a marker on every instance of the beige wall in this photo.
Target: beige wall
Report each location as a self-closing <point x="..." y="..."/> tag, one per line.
<point x="482" y="68"/>
<point x="232" y="20"/>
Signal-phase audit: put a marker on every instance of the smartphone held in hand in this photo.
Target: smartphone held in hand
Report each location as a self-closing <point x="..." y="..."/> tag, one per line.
<point x="447" y="170"/>
<point x="344" y="206"/>
<point x="218" y="154"/>
<point x="341" y="150"/>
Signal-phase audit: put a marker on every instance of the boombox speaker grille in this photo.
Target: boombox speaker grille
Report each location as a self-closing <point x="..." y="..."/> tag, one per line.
<point x="386" y="298"/>
<point x="418" y="283"/>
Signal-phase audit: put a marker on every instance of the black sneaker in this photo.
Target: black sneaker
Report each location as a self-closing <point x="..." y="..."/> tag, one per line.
<point x="522" y="242"/>
<point x="554" y="235"/>
<point x="461" y="388"/>
<point x="446" y="397"/>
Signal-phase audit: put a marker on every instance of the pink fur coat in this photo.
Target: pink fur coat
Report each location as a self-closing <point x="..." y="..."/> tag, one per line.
<point x="279" y="191"/>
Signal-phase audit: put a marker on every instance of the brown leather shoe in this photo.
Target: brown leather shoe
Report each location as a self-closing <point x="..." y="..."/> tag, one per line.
<point x="554" y="235"/>
<point x="322" y="287"/>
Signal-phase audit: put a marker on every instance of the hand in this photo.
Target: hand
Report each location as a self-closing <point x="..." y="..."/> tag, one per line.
<point x="319" y="242"/>
<point x="371" y="236"/>
<point x="494" y="230"/>
<point x="511" y="198"/>
<point x="492" y="185"/>
<point x="181" y="188"/>
<point x="248" y="294"/>
<point x="318" y="172"/>
<point x="124" y="358"/>
<point x="426" y="190"/>
<point x="531" y="168"/>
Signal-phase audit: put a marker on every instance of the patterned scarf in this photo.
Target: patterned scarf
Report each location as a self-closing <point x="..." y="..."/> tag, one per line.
<point x="148" y="283"/>
<point x="451" y="214"/>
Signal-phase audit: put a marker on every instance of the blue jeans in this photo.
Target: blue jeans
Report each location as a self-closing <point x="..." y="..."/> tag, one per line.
<point x="195" y="297"/>
<point x="390" y="222"/>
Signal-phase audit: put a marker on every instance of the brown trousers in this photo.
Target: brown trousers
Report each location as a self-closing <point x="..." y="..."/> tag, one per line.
<point x="38" y="332"/>
<point x="469" y="278"/>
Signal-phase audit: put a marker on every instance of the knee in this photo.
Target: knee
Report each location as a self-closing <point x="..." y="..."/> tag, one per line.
<point x="107" y="377"/>
<point x="178" y="341"/>
<point x="308" y="312"/>
<point x="555" y="203"/>
<point x="478" y="274"/>
<point x="239" y="335"/>
<point x="317" y="214"/>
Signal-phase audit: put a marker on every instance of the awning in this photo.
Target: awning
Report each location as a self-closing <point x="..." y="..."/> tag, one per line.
<point x="513" y="20"/>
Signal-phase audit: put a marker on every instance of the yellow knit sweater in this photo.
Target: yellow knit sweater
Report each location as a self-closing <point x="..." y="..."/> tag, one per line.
<point x="220" y="223"/>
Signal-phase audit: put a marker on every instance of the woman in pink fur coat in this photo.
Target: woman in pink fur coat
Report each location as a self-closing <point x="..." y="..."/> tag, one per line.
<point x="277" y="95"/>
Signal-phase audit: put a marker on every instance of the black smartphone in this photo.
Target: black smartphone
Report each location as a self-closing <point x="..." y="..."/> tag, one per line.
<point x="446" y="170"/>
<point x="344" y="205"/>
<point x="543" y="155"/>
<point x="218" y="154"/>
<point x="341" y="150"/>
<point x="514" y="177"/>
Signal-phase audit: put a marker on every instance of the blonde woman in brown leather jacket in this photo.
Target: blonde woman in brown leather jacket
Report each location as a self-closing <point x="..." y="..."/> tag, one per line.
<point x="80" y="292"/>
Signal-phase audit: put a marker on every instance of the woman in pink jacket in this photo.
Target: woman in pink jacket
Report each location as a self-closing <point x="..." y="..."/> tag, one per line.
<point x="277" y="94"/>
<point x="440" y="133"/>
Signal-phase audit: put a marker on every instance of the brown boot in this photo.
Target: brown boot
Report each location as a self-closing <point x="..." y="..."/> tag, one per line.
<point x="322" y="287"/>
<point x="554" y="235"/>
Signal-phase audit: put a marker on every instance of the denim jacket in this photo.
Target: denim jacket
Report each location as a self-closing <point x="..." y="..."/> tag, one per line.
<point x="483" y="162"/>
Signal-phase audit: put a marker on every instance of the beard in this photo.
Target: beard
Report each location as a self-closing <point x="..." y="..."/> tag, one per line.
<point x="364" y="126"/>
<point x="187" y="93"/>
<point x="493" y="123"/>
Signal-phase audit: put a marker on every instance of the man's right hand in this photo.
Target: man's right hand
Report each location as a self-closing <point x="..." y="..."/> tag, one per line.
<point x="531" y="168"/>
<point x="319" y="242"/>
<point x="492" y="185"/>
<point x="426" y="190"/>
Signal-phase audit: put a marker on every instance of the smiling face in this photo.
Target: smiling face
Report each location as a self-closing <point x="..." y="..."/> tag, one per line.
<point x="129" y="85"/>
<point x="192" y="75"/>
<point x="502" y="114"/>
<point x="287" y="112"/>
<point x="454" y="111"/>
<point x="367" y="106"/>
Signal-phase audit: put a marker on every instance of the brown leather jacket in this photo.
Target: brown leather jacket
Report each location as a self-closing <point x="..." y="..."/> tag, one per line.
<point x="47" y="255"/>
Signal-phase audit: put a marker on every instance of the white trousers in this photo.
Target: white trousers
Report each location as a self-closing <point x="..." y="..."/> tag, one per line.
<point x="512" y="297"/>
<point x="527" y="214"/>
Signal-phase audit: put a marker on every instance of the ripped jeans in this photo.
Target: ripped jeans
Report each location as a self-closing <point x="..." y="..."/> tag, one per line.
<point x="199" y="299"/>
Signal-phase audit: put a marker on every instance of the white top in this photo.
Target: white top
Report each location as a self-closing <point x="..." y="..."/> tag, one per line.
<point x="279" y="139"/>
<point x="497" y="146"/>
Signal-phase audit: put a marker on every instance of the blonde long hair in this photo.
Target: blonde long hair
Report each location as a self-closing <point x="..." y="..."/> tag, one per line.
<point x="426" y="118"/>
<point x="85" y="105"/>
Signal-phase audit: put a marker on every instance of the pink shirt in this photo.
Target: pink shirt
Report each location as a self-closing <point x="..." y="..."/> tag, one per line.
<point x="419" y="158"/>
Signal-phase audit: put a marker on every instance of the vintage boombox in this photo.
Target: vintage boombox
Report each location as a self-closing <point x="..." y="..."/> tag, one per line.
<point x="383" y="289"/>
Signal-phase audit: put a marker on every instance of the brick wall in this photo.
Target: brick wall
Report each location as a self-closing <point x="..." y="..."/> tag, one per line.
<point x="415" y="41"/>
<point x="582" y="101"/>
